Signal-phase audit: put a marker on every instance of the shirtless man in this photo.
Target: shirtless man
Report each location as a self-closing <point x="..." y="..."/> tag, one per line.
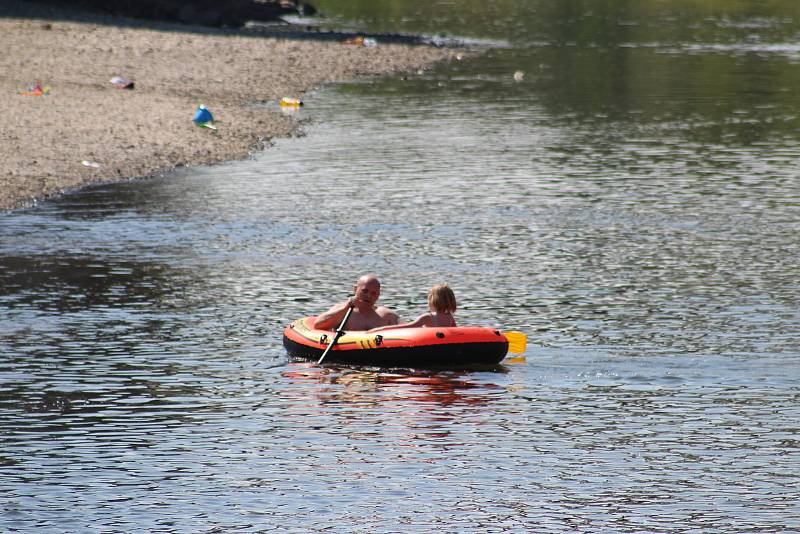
<point x="365" y="314"/>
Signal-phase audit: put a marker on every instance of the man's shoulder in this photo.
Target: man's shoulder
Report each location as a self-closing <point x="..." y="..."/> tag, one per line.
<point x="383" y="311"/>
<point x="387" y="316"/>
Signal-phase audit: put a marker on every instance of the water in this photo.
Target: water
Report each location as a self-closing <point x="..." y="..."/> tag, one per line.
<point x="631" y="203"/>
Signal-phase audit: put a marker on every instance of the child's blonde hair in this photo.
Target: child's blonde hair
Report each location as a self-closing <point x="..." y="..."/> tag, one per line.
<point x="442" y="299"/>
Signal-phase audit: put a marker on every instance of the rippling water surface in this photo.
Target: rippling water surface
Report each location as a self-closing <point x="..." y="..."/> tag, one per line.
<point x="631" y="204"/>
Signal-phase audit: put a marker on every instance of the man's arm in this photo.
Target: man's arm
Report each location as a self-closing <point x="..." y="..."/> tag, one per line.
<point x="330" y="319"/>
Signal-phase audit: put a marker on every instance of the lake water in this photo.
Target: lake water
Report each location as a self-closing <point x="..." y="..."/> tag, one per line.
<point x="632" y="203"/>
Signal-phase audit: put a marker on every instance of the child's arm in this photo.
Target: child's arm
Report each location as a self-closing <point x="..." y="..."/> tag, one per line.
<point x="422" y="320"/>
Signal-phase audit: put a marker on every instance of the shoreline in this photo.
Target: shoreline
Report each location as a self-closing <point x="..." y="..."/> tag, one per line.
<point x="127" y="134"/>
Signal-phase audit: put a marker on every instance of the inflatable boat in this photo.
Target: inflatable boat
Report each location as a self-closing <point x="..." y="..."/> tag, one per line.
<point x="459" y="346"/>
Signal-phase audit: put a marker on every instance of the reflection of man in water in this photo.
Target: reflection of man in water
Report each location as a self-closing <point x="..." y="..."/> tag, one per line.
<point x="365" y="314"/>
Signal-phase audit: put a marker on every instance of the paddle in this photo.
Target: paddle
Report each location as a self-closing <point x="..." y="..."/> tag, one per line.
<point x="517" y="341"/>
<point x="336" y="337"/>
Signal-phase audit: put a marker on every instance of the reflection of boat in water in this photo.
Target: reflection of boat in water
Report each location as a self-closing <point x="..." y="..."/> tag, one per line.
<point x="368" y="387"/>
<point x="460" y="346"/>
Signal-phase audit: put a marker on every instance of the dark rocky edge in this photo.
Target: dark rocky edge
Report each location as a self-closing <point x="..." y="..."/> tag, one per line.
<point x="254" y="17"/>
<point x="231" y="13"/>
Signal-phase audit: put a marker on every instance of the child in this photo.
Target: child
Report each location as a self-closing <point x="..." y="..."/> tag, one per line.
<point x="442" y="305"/>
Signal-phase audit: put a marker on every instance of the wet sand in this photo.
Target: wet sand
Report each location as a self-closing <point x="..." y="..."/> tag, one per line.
<point x="135" y="133"/>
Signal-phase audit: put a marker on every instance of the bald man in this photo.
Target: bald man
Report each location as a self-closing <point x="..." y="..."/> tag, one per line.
<point x="365" y="314"/>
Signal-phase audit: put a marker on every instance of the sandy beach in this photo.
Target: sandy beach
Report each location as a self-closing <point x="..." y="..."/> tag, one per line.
<point x="48" y="140"/>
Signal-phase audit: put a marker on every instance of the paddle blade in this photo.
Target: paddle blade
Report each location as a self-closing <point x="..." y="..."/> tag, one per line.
<point x="517" y="341"/>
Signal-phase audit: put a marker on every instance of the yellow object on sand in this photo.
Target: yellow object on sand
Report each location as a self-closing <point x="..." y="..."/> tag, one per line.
<point x="358" y="41"/>
<point x="291" y="102"/>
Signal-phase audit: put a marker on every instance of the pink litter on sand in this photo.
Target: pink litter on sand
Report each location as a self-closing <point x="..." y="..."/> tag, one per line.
<point x="35" y="90"/>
